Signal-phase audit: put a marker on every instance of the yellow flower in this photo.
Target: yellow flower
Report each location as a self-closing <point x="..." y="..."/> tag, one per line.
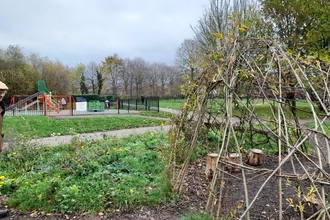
<point x="15" y="153"/>
<point x="2" y="177"/>
<point x="104" y="151"/>
<point x="26" y="182"/>
<point x="58" y="176"/>
<point x="132" y="191"/>
<point x="82" y="147"/>
<point x="120" y="150"/>
<point x="114" y="148"/>
<point x="39" y="196"/>
<point x="1" y="183"/>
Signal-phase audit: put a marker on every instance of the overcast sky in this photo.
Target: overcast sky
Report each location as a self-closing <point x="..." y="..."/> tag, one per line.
<point x="81" y="31"/>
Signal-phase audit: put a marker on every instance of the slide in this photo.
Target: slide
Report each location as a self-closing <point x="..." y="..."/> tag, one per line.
<point x="51" y="104"/>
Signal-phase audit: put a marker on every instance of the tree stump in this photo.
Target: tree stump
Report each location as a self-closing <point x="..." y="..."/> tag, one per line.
<point x="234" y="158"/>
<point x="255" y="157"/>
<point x="211" y="165"/>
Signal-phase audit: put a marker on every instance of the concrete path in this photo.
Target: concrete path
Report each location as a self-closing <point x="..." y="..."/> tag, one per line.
<point x="66" y="139"/>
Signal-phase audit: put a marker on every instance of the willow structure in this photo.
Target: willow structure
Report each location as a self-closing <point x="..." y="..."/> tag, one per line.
<point x="224" y="100"/>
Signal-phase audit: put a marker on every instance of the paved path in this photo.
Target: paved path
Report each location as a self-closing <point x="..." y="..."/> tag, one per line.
<point x="66" y="139"/>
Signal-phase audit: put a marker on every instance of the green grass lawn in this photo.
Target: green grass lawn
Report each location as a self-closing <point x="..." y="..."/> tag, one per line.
<point x="43" y="126"/>
<point x="261" y="109"/>
<point x="171" y="103"/>
<point x="159" y="114"/>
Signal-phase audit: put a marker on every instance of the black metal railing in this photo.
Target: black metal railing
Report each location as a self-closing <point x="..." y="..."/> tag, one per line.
<point x="32" y="106"/>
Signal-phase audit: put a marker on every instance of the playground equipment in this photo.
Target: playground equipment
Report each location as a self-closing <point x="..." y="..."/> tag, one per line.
<point x="43" y="100"/>
<point x="47" y="98"/>
<point x="23" y="102"/>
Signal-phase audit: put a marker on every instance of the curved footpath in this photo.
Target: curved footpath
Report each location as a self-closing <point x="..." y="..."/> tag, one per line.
<point x="66" y="139"/>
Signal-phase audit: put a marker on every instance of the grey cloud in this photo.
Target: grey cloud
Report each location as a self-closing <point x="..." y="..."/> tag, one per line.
<point x="80" y="31"/>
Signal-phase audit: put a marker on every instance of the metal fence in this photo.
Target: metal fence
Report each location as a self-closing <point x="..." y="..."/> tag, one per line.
<point x="148" y="104"/>
<point x="51" y="105"/>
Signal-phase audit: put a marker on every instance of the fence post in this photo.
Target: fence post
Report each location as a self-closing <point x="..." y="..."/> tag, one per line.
<point x="44" y="104"/>
<point x="71" y="105"/>
<point x="117" y="105"/>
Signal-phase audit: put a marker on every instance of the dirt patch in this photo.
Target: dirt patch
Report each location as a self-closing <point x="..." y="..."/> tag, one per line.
<point x="233" y="201"/>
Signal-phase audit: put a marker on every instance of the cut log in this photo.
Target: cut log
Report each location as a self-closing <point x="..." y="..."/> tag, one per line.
<point x="255" y="157"/>
<point x="211" y="165"/>
<point x="234" y="158"/>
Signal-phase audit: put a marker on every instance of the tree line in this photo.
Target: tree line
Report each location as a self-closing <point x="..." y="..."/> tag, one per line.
<point x="127" y="78"/>
<point x="302" y="26"/>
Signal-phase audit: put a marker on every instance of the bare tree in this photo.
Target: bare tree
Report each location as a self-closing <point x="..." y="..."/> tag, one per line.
<point x="91" y="76"/>
<point x="124" y="77"/>
<point x="217" y="23"/>
<point x="163" y="74"/>
<point x="139" y="68"/>
<point x="187" y="57"/>
<point x="175" y="80"/>
<point x="152" y="79"/>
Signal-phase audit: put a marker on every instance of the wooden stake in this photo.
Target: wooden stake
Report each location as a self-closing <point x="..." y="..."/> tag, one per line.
<point x="255" y="157"/>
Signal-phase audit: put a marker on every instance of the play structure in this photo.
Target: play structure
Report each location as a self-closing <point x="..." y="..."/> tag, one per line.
<point x="48" y="103"/>
<point x="47" y="98"/>
<point x="44" y="101"/>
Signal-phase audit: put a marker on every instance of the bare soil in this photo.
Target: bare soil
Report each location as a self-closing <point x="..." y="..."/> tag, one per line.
<point x="196" y="193"/>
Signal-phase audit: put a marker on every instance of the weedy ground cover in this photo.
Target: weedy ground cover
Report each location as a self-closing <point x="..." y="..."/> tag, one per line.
<point x="87" y="176"/>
